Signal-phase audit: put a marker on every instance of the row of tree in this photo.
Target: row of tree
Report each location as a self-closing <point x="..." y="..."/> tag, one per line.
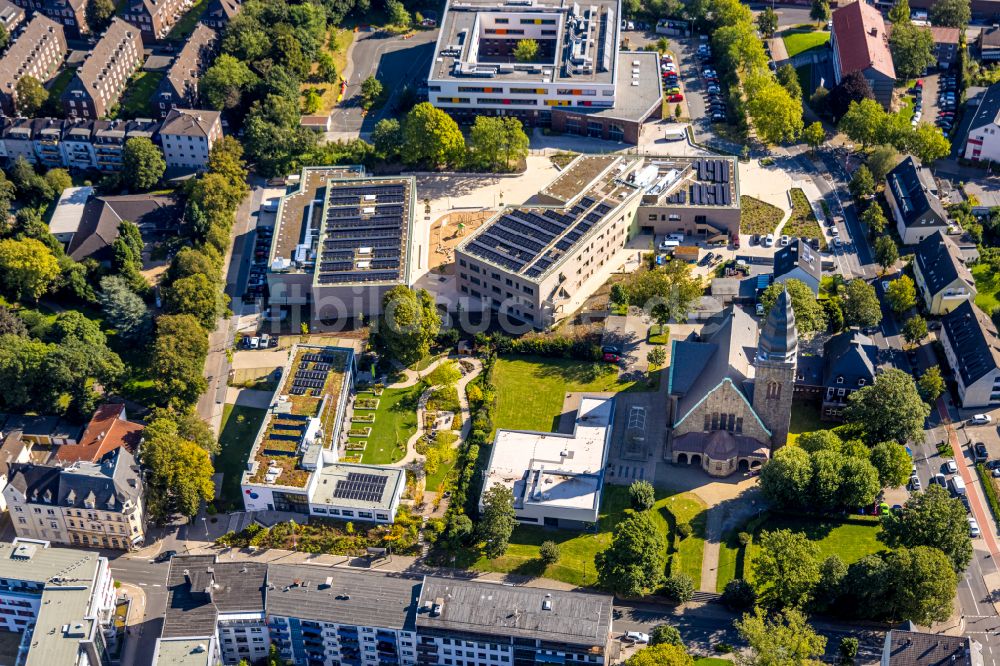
<point x="866" y="122"/>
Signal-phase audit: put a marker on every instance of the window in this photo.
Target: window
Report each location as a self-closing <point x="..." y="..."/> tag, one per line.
<point x="840" y="380"/>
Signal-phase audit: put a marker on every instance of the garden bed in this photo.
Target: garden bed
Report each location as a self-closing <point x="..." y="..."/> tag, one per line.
<point x="359" y="432"/>
<point x="357" y="445"/>
<point x="366" y="403"/>
<point x="803" y="222"/>
<point x="758" y="217"/>
<point x="321" y="535"/>
<point x="363" y="418"/>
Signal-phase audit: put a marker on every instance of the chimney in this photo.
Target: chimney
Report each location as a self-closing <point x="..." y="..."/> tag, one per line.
<point x="874" y="31"/>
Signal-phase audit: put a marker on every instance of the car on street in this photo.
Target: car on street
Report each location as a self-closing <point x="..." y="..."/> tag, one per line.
<point x="165" y="556"/>
<point x="837" y="242"/>
<point x="981" y="419"/>
<point x="636" y="637"/>
<point x="914" y="482"/>
<point x="973" y="528"/>
<point x="940" y="479"/>
<point x="951" y="466"/>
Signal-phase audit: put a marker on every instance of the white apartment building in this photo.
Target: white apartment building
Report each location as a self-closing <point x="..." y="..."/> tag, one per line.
<point x="982" y="141"/>
<point x="972" y="347"/>
<point x="61" y="600"/>
<point x="187" y="137"/>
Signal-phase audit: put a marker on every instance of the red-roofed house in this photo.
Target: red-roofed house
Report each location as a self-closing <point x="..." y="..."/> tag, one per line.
<point x="109" y="429"/>
<point x="860" y="44"/>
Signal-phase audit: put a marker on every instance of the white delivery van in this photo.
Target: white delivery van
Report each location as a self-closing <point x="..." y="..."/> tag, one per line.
<point x="957" y="485"/>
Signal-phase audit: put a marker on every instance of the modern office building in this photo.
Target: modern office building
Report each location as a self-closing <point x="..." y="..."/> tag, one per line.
<point x="60" y="600"/>
<point x="696" y="197"/>
<point x="341" y="241"/>
<point x="38" y="52"/>
<point x="556" y="478"/>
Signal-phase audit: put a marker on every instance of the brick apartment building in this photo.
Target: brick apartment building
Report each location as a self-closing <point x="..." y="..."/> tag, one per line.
<point x="38" y="51"/>
<point x="11" y="16"/>
<point x="100" y="81"/>
<point x="179" y="88"/>
<point x="220" y="13"/>
<point x="70" y="14"/>
<point x="155" y="17"/>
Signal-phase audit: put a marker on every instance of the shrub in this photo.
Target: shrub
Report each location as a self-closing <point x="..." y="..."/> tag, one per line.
<point x="684" y="529"/>
<point x="739" y="595"/>
<point x="679" y="588"/>
<point x="642" y="495"/>
<point x="744" y="539"/>
<point x="549" y="552"/>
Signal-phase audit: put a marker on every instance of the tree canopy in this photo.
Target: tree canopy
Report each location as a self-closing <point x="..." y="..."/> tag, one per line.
<point x="861" y="304"/>
<point x="143" y="163"/>
<point x="430" y="136"/>
<point x="410" y="322"/>
<point x="786" y="568"/>
<point x="633" y="564"/>
<point x="890" y="409"/>
<point x="932" y="518"/>
<point x="28" y="268"/>
<point x="497" y="520"/>
<point x="785" y="639"/>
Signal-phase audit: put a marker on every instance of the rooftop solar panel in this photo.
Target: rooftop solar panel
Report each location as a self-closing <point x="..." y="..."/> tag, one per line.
<point x="361" y="487"/>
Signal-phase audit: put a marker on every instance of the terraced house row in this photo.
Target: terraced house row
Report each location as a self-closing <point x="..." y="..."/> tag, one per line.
<point x="38" y="51"/>
<point x="185" y="135"/>
<point x="99" y="83"/>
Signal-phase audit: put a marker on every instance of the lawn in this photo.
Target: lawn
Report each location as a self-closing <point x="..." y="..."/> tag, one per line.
<point x="805" y="418"/>
<point x="803" y="222"/>
<point x="137" y="100"/>
<point x="804" y="75"/>
<point x="987" y="286"/>
<point x="530" y="389"/>
<point x="395" y="423"/>
<point x="239" y="428"/>
<point x="336" y="45"/>
<point x="800" y="41"/>
<point x="186" y="25"/>
<point x="758" y="217"/>
<point x="711" y="661"/>
<point x="577" y="549"/>
<point x="448" y="455"/>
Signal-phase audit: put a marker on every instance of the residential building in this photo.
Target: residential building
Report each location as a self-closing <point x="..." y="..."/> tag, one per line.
<point x="109" y="429"/>
<point x="46" y="430"/>
<point x="988" y="44"/>
<point x="574" y="83"/>
<point x="155" y="17"/>
<point x="77" y="144"/>
<point x="61" y="601"/>
<point x="493" y="624"/>
<point x="538" y="263"/>
<point x="11" y="16"/>
<point x="341" y="241"/>
<point x="860" y="44"/>
<point x="38" y="51"/>
<point x="982" y="141"/>
<point x="942" y="277"/>
<point x="70" y="14"/>
<point x="729" y="407"/>
<point x="17" y="141"/>
<point x="912" y="194"/>
<point x="101" y="79"/>
<point x="945" y="45"/>
<point x="187" y="137"/>
<point x="556" y="478"/>
<point x="110" y="137"/>
<point x="850" y="362"/>
<point x="220" y="13"/>
<point x="181" y="651"/>
<point x="179" y="88"/>
<point x="909" y="647"/>
<point x="46" y="136"/>
<point x="13" y="449"/>
<point x="972" y="347"/>
<point x="97" y="504"/>
<point x="798" y="261"/>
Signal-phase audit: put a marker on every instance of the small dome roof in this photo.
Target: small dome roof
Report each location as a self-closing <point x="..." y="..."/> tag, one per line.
<point x="779" y="338"/>
<point x="721" y="445"/>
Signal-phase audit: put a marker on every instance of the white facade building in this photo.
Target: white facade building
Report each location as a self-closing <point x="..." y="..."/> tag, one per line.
<point x="187" y="137"/>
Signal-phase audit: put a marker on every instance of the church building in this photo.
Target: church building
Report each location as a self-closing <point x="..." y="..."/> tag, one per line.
<point x="730" y="392"/>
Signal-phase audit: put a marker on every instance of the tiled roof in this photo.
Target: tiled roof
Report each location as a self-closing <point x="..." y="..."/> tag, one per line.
<point x="182" y="77"/>
<point x="189" y="122"/>
<point x="988" y="111"/>
<point x="911" y="186"/>
<point x="940" y="262"/>
<point x="913" y="648"/>
<point x="107" y="431"/>
<point x="973" y="338"/>
<point x="862" y="41"/>
<point x="797" y="254"/>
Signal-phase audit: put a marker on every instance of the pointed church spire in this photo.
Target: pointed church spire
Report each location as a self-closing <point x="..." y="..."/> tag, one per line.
<point x="779" y="339"/>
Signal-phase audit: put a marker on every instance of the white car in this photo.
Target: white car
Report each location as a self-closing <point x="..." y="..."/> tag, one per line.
<point x="951" y="466"/>
<point x="834" y="231"/>
<point x="636" y="637"/>
<point x="981" y="419"/>
<point x="837" y="242"/>
<point x="768" y="240"/>
<point x="254" y="342"/>
<point x="785" y="240"/>
<point x="915" y="482"/>
<point x="973" y="528"/>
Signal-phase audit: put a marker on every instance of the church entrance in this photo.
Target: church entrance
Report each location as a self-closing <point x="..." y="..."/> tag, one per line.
<point x="695" y="459"/>
<point x="682" y="459"/>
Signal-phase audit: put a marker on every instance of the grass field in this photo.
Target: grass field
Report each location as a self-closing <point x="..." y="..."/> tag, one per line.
<point x="337" y="44"/>
<point x="758" y="217"/>
<point x="987" y="286"/>
<point x="851" y="540"/>
<point x="239" y="427"/>
<point x="805" y="418"/>
<point x="395" y="423"/>
<point x="137" y="100"/>
<point x="577" y="549"/>
<point x="186" y="25"/>
<point x="800" y="41"/>
<point x="530" y="389"/>
<point x="803" y="222"/>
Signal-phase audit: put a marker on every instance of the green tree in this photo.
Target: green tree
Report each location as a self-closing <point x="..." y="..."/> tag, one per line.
<point x="881" y="161"/>
<point x="11" y="324"/>
<point x="29" y="95"/>
<point x="445" y="374"/>
<point x="642" y="495"/>
<point x="143" y="163"/>
<point x="665" y="634"/>
<point x="326" y="68"/>
<point x="923" y="586"/>
<point x="197" y="295"/>
<point x="409" y="323"/>
<point x="4" y="38"/>
<point x="526" y="50"/>
<point x="900" y="12"/>
<point x="875" y="219"/>
<point x="859" y="485"/>
<point x="809" y="316"/>
<point x="767" y="22"/>
<point x="820" y="11"/>
<point x="678" y="587"/>
<point x="661" y="655"/>
<point x="890" y="409"/>
<point x="932" y="518"/>
<point x="58" y="180"/>
<point x="886" y="252"/>
<point x="915" y="330"/>
<point x="862" y="183"/>
<point x="178" y="360"/>
<point x="432" y="137"/>
<point x="848" y="649"/>
<point x="75" y="325"/>
<point x="398" y="16"/>
<point x="861" y="304"/>
<point x="901" y="294"/>
<point x="832" y="573"/>
<point x="786" y="568"/>
<point x="951" y="13"/>
<point x="814" y="135"/>
<point x="549" y="552"/>
<point x="185" y="424"/>
<point x="387" y="137"/>
<point x="497" y="520"/>
<point x="912" y="49"/>
<point x="179" y="477"/>
<point x="656" y="356"/>
<point x="787" y="477"/>
<point x="784" y="639"/>
<point x="862" y="122"/>
<point x="223" y="84"/>
<point x="789" y="79"/>
<point x="775" y="114"/>
<point x="99" y="13"/>
<point x="27" y="268"/>
<point x="826" y="479"/>
<point x="931" y="384"/>
<point x="928" y="143"/>
<point x="371" y="92"/>
<point x="633" y="564"/>
<point x="819" y="440"/>
<point x="893" y="464"/>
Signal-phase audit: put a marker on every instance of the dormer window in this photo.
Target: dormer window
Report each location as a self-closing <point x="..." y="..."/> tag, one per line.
<point x="840" y="380"/>
<point x="861" y="382"/>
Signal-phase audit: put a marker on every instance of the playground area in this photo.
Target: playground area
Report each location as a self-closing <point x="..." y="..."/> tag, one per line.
<point x="450" y="230"/>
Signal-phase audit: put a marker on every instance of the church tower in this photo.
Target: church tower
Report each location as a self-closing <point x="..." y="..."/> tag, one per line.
<point x="774" y="380"/>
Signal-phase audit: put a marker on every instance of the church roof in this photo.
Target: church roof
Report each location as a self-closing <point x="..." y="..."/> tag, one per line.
<point x="779" y="337"/>
<point x="720" y="445"/>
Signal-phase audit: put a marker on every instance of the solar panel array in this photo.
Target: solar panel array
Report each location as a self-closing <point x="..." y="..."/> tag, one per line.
<point x="529" y="241"/>
<point x="360" y="486"/>
<point x="373" y="216"/>
<point x="710" y="195"/>
<point x="311" y="379"/>
<point x="713" y="171"/>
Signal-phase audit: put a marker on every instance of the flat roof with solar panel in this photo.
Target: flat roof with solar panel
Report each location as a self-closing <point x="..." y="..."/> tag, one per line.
<point x="693" y="182"/>
<point x="350" y="485"/>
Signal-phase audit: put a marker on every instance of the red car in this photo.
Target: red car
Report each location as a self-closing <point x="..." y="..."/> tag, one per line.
<point x="611" y="358"/>
<point x="679" y="97"/>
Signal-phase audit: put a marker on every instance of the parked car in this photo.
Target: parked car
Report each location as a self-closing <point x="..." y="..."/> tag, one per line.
<point x="951" y="466"/>
<point x="914" y="482"/>
<point x="785" y="240"/>
<point x="636" y="637"/>
<point x="981" y="419"/>
<point x="677" y="97"/>
<point x="940" y="479"/>
<point x="973" y="528"/>
<point x="980" y="452"/>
